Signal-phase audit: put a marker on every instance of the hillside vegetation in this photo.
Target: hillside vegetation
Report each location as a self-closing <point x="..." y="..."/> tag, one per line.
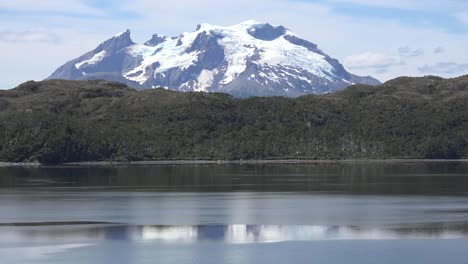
<point x="63" y="121"/>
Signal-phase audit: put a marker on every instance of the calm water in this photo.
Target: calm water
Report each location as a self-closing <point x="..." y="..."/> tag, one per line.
<point x="322" y="213"/>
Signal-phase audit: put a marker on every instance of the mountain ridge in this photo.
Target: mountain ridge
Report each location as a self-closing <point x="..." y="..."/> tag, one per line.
<point x="247" y="59"/>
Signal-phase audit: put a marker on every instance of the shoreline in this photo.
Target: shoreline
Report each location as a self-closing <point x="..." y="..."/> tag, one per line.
<point x="222" y="162"/>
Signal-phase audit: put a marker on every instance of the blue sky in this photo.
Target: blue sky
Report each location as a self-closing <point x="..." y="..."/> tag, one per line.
<point x="408" y="13"/>
<point x="381" y="38"/>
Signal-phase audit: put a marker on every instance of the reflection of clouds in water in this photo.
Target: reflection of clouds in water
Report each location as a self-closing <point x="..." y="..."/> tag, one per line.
<point x="37" y="252"/>
<point x="270" y="234"/>
<point x="231" y="234"/>
<point x="183" y="234"/>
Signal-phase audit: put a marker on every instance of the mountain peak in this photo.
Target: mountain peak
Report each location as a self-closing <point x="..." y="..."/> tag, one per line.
<point x="117" y="42"/>
<point x="267" y="31"/>
<point x="250" y="58"/>
<point x="123" y="34"/>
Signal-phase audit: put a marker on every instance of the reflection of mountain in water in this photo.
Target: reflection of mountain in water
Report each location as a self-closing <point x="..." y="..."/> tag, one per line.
<point x="231" y="234"/>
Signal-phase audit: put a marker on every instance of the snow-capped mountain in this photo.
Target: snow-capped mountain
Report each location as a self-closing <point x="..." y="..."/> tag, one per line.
<point x="248" y="59"/>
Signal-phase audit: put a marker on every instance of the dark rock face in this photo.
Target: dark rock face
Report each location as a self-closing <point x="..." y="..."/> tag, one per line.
<point x="304" y="43"/>
<point x="267" y="32"/>
<point x="155" y="40"/>
<point x="211" y="53"/>
<point x="215" y="59"/>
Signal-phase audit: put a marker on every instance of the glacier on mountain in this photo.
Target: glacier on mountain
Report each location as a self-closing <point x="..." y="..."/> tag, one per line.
<point x="248" y="59"/>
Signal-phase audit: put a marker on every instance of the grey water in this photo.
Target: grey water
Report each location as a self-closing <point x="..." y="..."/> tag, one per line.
<point x="362" y="212"/>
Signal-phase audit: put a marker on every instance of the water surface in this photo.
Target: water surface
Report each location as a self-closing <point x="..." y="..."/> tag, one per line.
<point x="315" y="213"/>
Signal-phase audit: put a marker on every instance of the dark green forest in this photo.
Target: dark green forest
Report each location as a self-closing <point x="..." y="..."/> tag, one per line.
<point x="67" y="121"/>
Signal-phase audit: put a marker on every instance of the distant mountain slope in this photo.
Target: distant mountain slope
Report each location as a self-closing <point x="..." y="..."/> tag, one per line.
<point x="248" y="59"/>
<point x="60" y="121"/>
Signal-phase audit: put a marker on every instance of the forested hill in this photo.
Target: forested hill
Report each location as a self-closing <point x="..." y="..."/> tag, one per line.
<point x="63" y="121"/>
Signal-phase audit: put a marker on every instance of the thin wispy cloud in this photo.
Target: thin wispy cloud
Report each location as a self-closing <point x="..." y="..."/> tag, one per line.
<point x="86" y="9"/>
<point x="34" y="35"/>
<point x="48" y="6"/>
<point x="445" y="68"/>
<point x="372" y="61"/>
<point x="408" y="52"/>
<point x="439" y="50"/>
<point x="463" y="17"/>
<point x="416" y="5"/>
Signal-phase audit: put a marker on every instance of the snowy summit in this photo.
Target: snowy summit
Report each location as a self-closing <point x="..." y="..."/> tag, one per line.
<point x="248" y="59"/>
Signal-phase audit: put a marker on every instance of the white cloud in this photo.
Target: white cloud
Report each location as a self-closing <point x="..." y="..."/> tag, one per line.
<point x="439" y="50"/>
<point x="33" y="35"/>
<point x="402" y="4"/>
<point x="408" y="52"/>
<point x="463" y="17"/>
<point x="445" y="68"/>
<point x="36" y="60"/>
<point x="372" y="60"/>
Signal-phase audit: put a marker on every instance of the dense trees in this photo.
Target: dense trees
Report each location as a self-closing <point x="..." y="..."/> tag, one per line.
<point x="61" y="121"/>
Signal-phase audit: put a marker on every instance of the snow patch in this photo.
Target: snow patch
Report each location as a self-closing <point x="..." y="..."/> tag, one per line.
<point x="170" y="55"/>
<point x="205" y="80"/>
<point x="240" y="50"/>
<point x="240" y="47"/>
<point x="98" y="57"/>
